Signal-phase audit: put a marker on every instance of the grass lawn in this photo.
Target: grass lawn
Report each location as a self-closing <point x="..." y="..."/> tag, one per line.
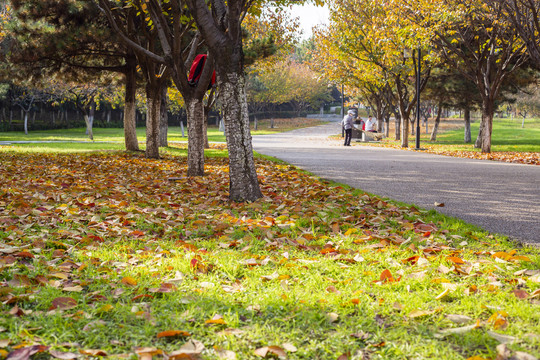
<point x="510" y="142"/>
<point x="507" y="136"/>
<point x="102" y="255"/>
<point x="116" y="135"/>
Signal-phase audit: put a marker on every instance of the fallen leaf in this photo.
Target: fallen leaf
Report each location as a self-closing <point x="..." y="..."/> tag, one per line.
<point x="26" y="352"/>
<point x="76" y="288"/>
<point x="289" y="347"/>
<point x="172" y="333"/>
<point x="444" y="294"/>
<point x="63" y="355"/>
<point x="217" y="319"/>
<point x="455" y="260"/>
<point x="458" y="330"/>
<point x="458" y="319"/>
<point x="332" y="317"/>
<point x="438" y="204"/>
<point x="63" y="303"/>
<point x="94" y="352"/>
<point x="503" y="339"/>
<point x="128" y="280"/>
<point x="419" y="313"/>
<point x="386" y="276"/>
<point x="192" y="347"/>
<point x="226" y="354"/>
<point x="275" y="350"/>
<point x="520" y="293"/>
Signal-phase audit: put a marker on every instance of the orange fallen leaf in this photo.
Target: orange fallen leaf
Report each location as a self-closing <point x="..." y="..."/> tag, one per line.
<point x="172" y="333"/>
<point x="217" y="319"/>
<point x="386" y="276"/>
<point x="455" y="260"/>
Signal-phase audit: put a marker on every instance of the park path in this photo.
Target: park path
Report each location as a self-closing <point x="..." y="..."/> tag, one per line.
<point x="499" y="197"/>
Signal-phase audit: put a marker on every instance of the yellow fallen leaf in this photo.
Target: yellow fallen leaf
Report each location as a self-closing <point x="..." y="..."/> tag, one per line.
<point x="443" y="294"/>
<point x="60" y="275"/>
<point x="419" y="313"/>
<point x="128" y="280"/>
<point x="105" y="308"/>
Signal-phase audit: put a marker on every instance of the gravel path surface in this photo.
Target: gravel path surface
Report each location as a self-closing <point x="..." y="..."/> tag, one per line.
<point x="499" y="197"/>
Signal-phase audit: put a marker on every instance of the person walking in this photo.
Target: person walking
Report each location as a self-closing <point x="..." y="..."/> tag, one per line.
<point x="347" y="123"/>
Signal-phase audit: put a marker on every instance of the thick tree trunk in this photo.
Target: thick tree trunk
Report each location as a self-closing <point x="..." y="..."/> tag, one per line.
<point x="195" y="115"/>
<point x="467" y="132"/>
<point x="244" y="185"/>
<point x="130" y="129"/>
<point x="153" y="104"/>
<point x="387" y="126"/>
<point x="163" y="118"/>
<point x="436" y="124"/>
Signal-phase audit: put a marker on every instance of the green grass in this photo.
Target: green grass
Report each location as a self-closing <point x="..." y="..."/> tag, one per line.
<point x="113" y="216"/>
<point x="115" y="135"/>
<point x="508" y="135"/>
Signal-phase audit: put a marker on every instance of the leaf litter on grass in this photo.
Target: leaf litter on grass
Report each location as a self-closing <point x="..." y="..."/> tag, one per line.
<point x="95" y="242"/>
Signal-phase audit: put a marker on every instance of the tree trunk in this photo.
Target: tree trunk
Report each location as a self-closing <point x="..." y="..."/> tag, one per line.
<point x="404" y="131"/>
<point x="436" y="124"/>
<point x="397" y="123"/>
<point x="130" y="110"/>
<point x="244" y="185"/>
<point x="163" y="118"/>
<point x="478" y="142"/>
<point x="89" y="119"/>
<point x="195" y="116"/>
<point x="467" y="118"/>
<point x="153" y="104"/>
<point x="25" y="123"/>
<point x="487" y="119"/>
<point x="205" y="130"/>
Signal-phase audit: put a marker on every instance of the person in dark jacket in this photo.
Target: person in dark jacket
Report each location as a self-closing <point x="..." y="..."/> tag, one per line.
<point x="347" y="123"/>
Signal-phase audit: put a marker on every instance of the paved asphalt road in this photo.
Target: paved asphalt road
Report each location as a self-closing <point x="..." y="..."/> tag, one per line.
<point x="499" y="197"/>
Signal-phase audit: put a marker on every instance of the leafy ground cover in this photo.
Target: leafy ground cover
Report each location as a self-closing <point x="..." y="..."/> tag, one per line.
<point x="115" y="135"/>
<point x="102" y="255"/>
<point x="510" y="143"/>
